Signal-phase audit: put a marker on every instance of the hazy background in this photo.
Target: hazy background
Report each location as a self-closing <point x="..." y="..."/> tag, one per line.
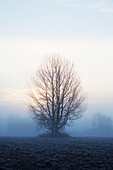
<point x="76" y="29"/>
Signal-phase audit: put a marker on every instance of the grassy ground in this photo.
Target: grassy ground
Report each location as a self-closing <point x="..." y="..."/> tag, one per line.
<point x="60" y="153"/>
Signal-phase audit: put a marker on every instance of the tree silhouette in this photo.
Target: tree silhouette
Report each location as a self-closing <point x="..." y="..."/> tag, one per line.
<point x="56" y="98"/>
<point x="101" y="121"/>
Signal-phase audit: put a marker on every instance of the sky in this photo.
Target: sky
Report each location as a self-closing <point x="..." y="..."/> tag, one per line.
<point x="80" y="30"/>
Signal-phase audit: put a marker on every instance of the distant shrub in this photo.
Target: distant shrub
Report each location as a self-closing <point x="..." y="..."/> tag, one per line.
<point x="59" y="135"/>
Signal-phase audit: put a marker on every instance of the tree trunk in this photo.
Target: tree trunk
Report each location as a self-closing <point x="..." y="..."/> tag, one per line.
<point x="54" y="131"/>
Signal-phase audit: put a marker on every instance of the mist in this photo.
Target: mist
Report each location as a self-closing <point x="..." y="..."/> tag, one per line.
<point x="80" y="34"/>
<point x="17" y="121"/>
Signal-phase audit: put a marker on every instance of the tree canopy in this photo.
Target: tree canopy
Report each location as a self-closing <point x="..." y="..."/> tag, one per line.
<point x="57" y="97"/>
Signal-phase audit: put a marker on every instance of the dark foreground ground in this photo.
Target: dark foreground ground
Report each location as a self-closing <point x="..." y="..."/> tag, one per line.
<point x="70" y="153"/>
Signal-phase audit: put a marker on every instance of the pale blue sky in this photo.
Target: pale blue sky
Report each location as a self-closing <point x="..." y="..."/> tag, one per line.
<point x="81" y="30"/>
<point x="56" y="18"/>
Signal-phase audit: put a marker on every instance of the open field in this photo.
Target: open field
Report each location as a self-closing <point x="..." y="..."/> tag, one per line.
<point x="49" y="153"/>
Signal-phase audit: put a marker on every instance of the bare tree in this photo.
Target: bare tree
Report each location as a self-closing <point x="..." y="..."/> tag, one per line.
<point x="102" y="122"/>
<point x="57" y="97"/>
